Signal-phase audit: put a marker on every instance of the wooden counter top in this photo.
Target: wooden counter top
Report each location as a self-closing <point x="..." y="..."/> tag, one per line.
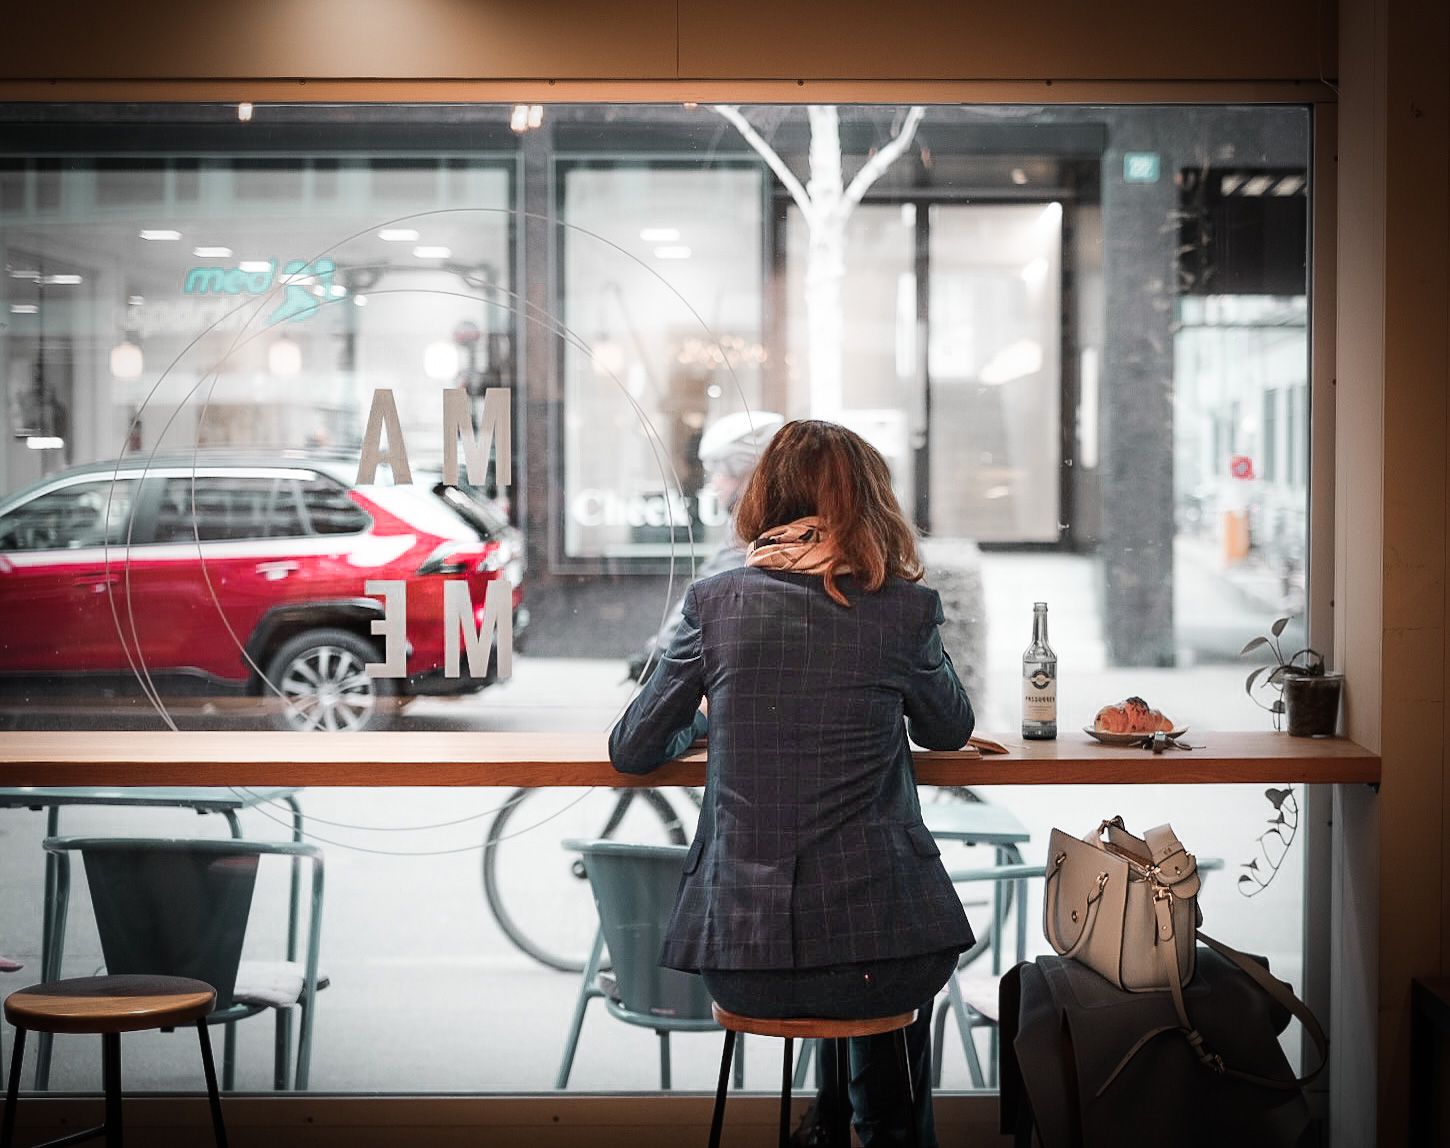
<point x="545" y="759"/>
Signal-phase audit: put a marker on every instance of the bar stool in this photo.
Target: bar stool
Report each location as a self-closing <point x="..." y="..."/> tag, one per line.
<point x="807" y="1027"/>
<point x="110" y="1006"/>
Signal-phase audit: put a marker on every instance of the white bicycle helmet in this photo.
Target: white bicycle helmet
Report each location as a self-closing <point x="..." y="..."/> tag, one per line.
<point x="734" y="442"/>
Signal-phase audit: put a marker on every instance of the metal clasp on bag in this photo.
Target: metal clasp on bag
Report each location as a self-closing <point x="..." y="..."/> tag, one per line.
<point x="1098" y="892"/>
<point x="1163" y="910"/>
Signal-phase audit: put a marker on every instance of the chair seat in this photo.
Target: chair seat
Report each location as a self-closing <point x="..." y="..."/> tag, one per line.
<point x="799" y="1027"/>
<point x="981" y="993"/>
<point x="109" y="1004"/>
<point x="272" y="984"/>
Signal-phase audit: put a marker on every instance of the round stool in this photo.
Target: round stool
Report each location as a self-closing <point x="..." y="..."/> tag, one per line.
<point x="110" y="1006"/>
<point x="807" y="1027"/>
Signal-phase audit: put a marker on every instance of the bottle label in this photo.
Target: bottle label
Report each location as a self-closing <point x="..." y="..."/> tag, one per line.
<point x="1039" y="696"/>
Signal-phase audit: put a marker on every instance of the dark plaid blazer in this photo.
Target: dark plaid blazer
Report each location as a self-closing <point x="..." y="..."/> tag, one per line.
<point x="811" y="849"/>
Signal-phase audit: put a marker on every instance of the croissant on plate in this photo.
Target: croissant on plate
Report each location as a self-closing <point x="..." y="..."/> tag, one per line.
<point x="1131" y="716"/>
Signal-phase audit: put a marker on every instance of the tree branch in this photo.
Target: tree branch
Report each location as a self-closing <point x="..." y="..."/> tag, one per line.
<point x="876" y="166"/>
<point x="771" y="157"/>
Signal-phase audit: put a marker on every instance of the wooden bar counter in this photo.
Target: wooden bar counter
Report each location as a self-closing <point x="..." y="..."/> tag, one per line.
<point x="581" y="759"/>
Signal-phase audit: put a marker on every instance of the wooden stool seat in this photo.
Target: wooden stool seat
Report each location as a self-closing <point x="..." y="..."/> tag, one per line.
<point x="806" y="1027"/>
<point x="820" y="1028"/>
<point x="110" y="1004"/>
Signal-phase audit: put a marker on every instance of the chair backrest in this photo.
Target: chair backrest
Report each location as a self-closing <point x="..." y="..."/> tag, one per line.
<point x="634" y="890"/>
<point x="176" y="908"/>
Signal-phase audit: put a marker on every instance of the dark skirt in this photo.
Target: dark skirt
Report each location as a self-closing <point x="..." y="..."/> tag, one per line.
<point x="833" y="992"/>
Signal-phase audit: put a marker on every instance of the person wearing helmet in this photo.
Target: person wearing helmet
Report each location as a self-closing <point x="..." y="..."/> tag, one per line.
<point x="729" y="450"/>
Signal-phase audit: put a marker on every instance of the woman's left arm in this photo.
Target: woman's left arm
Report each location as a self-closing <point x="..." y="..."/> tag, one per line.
<point x="665" y="718"/>
<point x="938" y="714"/>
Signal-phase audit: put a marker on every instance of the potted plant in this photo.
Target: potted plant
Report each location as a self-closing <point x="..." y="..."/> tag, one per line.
<point x="1305" y="692"/>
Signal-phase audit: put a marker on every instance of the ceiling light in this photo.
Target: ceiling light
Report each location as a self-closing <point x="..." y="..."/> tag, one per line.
<point x="127" y="361"/>
<point x="162" y="234"/>
<point x="360" y="300"/>
<point x="660" y="234"/>
<point x="536" y="115"/>
<point x="1019" y="177"/>
<point x="1229" y="184"/>
<point x="398" y="235"/>
<point x="61" y="280"/>
<point x="337" y="290"/>
<point x="44" y="442"/>
<point x="24" y="273"/>
<point x="244" y="112"/>
<point x="254" y="266"/>
<point x="136" y="300"/>
<point x="432" y="252"/>
<point x="212" y="252"/>
<point x="441" y="360"/>
<point x="677" y="251"/>
<point x="1258" y="185"/>
<point x="519" y="120"/>
<point x="284" y="358"/>
<point x="24" y="309"/>
<point x="1290" y="185"/>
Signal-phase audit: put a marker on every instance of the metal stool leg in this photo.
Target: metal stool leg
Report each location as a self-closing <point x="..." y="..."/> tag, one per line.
<point x="838" y="1119"/>
<point x="111" y="1081"/>
<point x="219" y="1129"/>
<point x="664" y="1036"/>
<point x="229" y="1055"/>
<point x="786" y="1064"/>
<point x="717" y="1119"/>
<point x="12" y="1090"/>
<point x="904" y="1060"/>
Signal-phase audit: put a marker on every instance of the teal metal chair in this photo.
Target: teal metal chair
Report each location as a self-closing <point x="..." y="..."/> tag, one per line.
<point x="180" y="908"/>
<point x="634" y="890"/>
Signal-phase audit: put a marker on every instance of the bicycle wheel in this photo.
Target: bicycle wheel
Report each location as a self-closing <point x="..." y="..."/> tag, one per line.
<point x="536" y="889"/>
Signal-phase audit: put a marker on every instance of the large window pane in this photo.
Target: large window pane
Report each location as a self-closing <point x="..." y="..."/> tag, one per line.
<point x="1079" y="335"/>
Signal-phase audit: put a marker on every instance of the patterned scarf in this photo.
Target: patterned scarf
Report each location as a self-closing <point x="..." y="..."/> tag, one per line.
<point x="800" y="546"/>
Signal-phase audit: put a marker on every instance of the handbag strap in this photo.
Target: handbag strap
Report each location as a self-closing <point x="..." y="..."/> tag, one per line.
<point x="1095" y="899"/>
<point x="1278" y="991"/>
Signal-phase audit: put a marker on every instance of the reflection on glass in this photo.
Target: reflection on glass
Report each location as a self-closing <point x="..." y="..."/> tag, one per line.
<point x="1079" y="335"/>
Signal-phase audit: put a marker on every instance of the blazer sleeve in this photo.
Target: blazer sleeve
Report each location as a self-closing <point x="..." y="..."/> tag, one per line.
<point x="938" y="714"/>
<point x="665" y="717"/>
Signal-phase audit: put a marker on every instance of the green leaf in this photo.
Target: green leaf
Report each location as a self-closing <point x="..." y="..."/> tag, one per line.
<point x="1253" y="645"/>
<point x="1276" y="678"/>
<point x="1277" y="796"/>
<point x="1278" y="627"/>
<point x="1253" y="677"/>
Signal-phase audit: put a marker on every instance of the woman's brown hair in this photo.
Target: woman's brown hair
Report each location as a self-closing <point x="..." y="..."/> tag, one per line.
<point x="819" y="468"/>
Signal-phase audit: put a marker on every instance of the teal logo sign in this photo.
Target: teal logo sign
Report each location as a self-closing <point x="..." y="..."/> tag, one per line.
<point x="305" y="285"/>
<point x="1140" y="167"/>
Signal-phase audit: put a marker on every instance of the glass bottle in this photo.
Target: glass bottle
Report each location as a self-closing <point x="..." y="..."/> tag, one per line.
<point x="1039" y="681"/>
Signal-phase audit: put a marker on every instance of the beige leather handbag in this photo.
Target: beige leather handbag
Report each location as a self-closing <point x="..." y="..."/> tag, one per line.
<point x="1127" y="907"/>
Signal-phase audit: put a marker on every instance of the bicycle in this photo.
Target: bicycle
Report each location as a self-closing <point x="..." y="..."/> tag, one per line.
<point x="539" y="894"/>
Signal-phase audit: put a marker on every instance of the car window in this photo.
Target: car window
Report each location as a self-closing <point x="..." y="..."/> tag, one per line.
<point x="330" y="510"/>
<point x="218" y="508"/>
<point x="73" y="517"/>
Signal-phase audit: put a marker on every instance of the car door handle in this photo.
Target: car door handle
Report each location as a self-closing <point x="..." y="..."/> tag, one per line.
<point x="275" y="571"/>
<point x="97" y="582"/>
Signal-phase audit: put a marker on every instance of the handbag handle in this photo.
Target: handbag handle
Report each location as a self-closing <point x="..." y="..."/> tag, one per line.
<point x="1049" y="901"/>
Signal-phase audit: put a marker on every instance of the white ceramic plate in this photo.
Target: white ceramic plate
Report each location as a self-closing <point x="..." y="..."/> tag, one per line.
<point x="1127" y="738"/>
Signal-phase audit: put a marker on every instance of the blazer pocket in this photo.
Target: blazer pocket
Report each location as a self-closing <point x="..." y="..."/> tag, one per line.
<point x="922" y="841"/>
<point x="692" y="858"/>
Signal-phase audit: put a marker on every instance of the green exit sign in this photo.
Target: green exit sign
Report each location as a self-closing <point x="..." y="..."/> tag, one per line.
<point x="1140" y="167"/>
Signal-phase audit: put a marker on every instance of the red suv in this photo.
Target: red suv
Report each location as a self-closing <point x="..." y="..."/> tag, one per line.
<point x="222" y="575"/>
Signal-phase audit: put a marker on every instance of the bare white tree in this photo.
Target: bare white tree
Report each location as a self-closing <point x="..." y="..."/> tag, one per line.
<point x="826" y="201"/>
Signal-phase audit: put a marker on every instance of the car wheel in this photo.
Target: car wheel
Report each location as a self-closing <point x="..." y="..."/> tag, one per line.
<point x="316" y="681"/>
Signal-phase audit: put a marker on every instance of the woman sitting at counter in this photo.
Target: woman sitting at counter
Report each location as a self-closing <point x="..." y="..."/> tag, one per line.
<point x="813" y="888"/>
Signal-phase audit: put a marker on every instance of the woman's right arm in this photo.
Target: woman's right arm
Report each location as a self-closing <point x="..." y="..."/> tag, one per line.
<point x="938" y="714"/>
<point x="665" y="717"/>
